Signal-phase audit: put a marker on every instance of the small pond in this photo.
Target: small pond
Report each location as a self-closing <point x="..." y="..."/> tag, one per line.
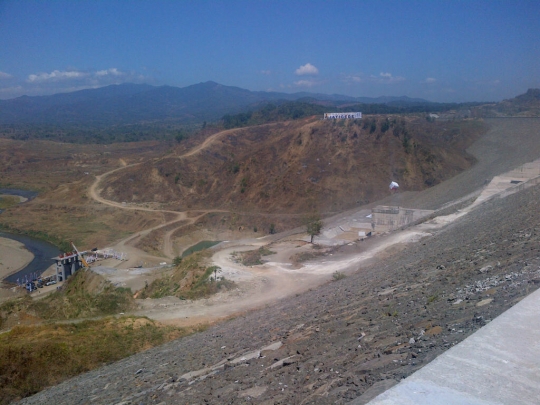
<point x="205" y="244"/>
<point x="22" y="193"/>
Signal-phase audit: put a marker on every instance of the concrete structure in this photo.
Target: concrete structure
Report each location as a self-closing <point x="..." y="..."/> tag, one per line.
<point x="498" y="364"/>
<point x="388" y="218"/>
<point x="347" y="115"/>
<point x="510" y="182"/>
<point x="66" y="265"/>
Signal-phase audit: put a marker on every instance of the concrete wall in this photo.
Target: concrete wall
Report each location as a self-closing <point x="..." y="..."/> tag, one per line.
<point x="386" y="218"/>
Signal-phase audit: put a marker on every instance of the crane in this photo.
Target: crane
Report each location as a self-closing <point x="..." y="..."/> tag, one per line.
<point x="78" y="254"/>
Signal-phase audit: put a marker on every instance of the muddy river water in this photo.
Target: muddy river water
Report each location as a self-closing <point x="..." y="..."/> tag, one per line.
<point x="42" y="251"/>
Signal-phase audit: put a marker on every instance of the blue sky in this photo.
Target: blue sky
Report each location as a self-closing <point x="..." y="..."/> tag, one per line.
<point x="438" y="50"/>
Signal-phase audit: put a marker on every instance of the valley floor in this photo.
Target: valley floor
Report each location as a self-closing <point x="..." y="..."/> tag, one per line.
<point x="335" y="342"/>
<point x="260" y="285"/>
<point x="392" y="313"/>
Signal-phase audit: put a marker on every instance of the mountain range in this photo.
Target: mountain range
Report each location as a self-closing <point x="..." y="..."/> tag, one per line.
<point x="142" y="103"/>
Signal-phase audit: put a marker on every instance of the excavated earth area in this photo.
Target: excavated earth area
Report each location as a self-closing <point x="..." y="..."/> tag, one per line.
<point x="349" y="338"/>
<point x="336" y="342"/>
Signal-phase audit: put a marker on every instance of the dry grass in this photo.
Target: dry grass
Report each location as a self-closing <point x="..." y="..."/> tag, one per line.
<point x="253" y="257"/>
<point x="315" y="253"/>
<point x="84" y="295"/>
<point x="68" y="349"/>
<point x="62" y="173"/>
<point x="280" y="168"/>
<point x="190" y="279"/>
<point x="65" y="350"/>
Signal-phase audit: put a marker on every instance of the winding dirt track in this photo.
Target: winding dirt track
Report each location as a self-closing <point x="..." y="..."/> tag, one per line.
<point x="257" y="286"/>
<point x="276" y="279"/>
<point x="129" y="242"/>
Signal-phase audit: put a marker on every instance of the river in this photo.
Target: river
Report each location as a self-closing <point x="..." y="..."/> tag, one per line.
<point x="42" y="251"/>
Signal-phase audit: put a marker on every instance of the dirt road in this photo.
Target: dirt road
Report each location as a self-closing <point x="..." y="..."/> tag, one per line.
<point x="350" y="339"/>
<point x="127" y="245"/>
<point x="344" y="340"/>
<point x="262" y="285"/>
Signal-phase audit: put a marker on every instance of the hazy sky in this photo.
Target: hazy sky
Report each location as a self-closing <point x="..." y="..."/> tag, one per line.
<point x="438" y="50"/>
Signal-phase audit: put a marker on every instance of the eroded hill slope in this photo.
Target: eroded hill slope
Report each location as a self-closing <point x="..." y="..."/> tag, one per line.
<point x="302" y="165"/>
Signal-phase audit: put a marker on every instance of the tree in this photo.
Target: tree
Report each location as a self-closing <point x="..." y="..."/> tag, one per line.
<point x="180" y="136"/>
<point x="313" y="226"/>
<point x="385" y="126"/>
<point x="215" y="270"/>
<point x="373" y="127"/>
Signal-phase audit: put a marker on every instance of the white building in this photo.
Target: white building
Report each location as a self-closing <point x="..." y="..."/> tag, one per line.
<point x="347" y="115"/>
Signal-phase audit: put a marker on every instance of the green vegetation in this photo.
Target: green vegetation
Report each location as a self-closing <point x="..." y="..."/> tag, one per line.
<point x="243" y="184"/>
<point x="385" y="126"/>
<point x="291" y="110"/>
<point x="177" y="260"/>
<point x="313" y="226"/>
<point x="66" y="350"/>
<point x="205" y="244"/>
<point x="373" y="126"/>
<point x="432" y="298"/>
<point x="85" y="294"/>
<point x="235" y="168"/>
<point x="87" y="134"/>
<point x="62" y="244"/>
<point x="338" y="275"/>
<point x="189" y="280"/>
<point x="253" y="257"/>
<point x="8" y="201"/>
<point x="180" y="136"/>
<point x="273" y="112"/>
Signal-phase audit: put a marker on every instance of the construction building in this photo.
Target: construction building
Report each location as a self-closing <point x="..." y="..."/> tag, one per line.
<point x="347" y="115"/>
<point x="67" y="264"/>
<point x="389" y="218"/>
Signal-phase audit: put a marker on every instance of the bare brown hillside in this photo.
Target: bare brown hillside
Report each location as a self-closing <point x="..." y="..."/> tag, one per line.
<point x="302" y="165"/>
<point x="525" y="105"/>
<point x="345" y="339"/>
<point x="62" y="173"/>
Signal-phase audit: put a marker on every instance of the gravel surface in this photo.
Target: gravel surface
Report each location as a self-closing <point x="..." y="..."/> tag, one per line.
<point x="352" y="337"/>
